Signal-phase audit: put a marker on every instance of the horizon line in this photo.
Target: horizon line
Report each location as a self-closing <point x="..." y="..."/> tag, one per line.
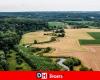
<point x="52" y="11"/>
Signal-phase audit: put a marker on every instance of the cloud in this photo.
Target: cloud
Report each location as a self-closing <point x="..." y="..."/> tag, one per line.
<point x="49" y="5"/>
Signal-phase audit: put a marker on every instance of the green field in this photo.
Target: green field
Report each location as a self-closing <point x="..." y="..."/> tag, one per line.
<point x="13" y="61"/>
<point x="95" y="35"/>
<point x="86" y="42"/>
<point x="84" y="22"/>
<point x="57" y="24"/>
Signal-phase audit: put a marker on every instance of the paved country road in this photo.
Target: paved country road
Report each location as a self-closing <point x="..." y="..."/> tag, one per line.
<point x="60" y="62"/>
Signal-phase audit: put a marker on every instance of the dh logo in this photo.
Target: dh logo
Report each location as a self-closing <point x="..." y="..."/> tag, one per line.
<point x="42" y="75"/>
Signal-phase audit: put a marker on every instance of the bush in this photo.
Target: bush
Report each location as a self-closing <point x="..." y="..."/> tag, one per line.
<point x="59" y="31"/>
<point x="17" y="57"/>
<point x="57" y="60"/>
<point x="83" y="68"/>
<point x="71" y="62"/>
<point x="8" y="56"/>
<point x="36" y="49"/>
<point x="17" y="54"/>
<point x="53" y="39"/>
<point x="47" y="50"/>
<point x="10" y="51"/>
<point x="76" y="62"/>
<point x="1" y="68"/>
<point x="19" y="68"/>
<point x="19" y="61"/>
<point x="46" y="33"/>
<point x="35" y="42"/>
<point x="61" y="35"/>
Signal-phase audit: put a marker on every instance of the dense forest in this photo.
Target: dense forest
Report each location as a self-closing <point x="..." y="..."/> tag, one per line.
<point x="57" y="16"/>
<point x="11" y="30"/>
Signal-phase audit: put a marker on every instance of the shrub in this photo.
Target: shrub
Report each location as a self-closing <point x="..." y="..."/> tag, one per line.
<point x="53" y="39"/>
<point x="57" y="60"/>
<point x="10" y="51"/>
<point x="83" y="68"/>
<point x="35" y="42"/>
<point x="8" y="56"/>
<point x="19" y="61"/>
<point x="71" y="62"/>
<point x="61" y="35"/>
<point x="76" y="62"/>
<point x="17" y="54"/>
<point x="19" y="68"/>
<point x="59" y="31"/>
<point x="47" y="50"/>
<point x="36" y="49"/>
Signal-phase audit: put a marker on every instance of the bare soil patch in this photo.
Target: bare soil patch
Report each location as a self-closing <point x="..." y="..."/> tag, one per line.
<point x="39" y="36"/>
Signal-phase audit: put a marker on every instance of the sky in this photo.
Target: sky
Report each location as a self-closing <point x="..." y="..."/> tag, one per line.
<point x="49" y="5"/>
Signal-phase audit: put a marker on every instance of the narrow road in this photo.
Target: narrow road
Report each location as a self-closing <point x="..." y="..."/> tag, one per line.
<point x="61" y="64"/>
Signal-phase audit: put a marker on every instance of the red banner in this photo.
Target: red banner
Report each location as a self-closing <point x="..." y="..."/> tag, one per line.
<point x="50" y="75"/>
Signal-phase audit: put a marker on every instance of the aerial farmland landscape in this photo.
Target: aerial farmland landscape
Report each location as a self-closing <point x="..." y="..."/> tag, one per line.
<point x="55" y="41"/>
